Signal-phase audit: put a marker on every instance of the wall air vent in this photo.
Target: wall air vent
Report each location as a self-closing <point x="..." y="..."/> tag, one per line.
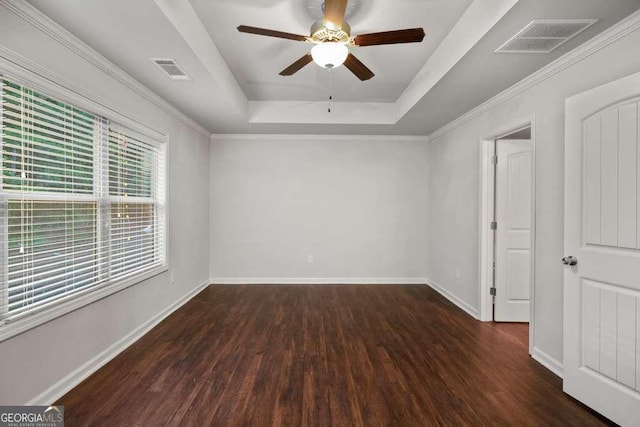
<point x="171" y="68"/>
<point x="544" y="35"/>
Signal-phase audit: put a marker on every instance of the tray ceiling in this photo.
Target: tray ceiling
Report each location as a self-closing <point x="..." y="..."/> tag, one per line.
<point x="235" y="86"/>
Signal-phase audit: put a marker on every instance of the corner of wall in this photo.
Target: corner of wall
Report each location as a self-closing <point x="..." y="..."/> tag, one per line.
<point x="471" y="311"/>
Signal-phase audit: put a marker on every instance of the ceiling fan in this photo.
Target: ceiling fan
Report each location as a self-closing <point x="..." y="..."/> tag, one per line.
<point x="332" y="38"/>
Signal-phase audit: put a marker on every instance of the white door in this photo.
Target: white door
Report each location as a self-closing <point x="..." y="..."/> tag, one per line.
<point x="514" y="178"/>
<point x="602" y="232"/>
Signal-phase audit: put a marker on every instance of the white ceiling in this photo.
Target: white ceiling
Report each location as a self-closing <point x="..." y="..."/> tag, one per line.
<point x="256" y="60"/>
<point x="236" y="87"/>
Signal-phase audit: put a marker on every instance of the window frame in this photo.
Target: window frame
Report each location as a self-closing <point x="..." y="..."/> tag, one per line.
<point x="80" y="98"/>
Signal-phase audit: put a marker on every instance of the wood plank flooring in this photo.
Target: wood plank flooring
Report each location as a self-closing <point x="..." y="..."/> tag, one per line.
<point x="324" y="355"/>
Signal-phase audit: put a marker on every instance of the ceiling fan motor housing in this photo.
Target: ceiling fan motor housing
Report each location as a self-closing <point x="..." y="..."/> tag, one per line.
<point x="323" y="32"/>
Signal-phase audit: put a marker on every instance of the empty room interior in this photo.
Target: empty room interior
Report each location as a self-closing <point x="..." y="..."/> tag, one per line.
<point x="308" y="212"/>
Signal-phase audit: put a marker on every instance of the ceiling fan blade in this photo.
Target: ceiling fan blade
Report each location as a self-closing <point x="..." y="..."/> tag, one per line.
<point x="358" y="68"/>
<point x="271" y="33"/>
<point x="334" y="11"/>
<point x="409" y="35"/>
<point x="296" y="66"/>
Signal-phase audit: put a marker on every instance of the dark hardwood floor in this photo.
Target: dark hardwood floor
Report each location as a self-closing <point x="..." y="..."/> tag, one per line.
<point x="324" y="355"/>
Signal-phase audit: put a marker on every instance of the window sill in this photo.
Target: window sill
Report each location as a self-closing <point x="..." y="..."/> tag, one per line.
<point x="18" y="326"/>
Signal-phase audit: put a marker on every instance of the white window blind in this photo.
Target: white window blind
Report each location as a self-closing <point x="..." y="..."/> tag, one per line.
<point x="135" y="178"/>
<point x="81" y="202"/>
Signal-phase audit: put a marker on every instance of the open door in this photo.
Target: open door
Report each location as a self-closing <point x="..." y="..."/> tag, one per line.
<point x="602" y="248"/>
<point x="513" y="212"/>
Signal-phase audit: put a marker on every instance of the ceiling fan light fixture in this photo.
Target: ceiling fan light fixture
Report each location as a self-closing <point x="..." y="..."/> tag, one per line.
<point x="330" y="25"/>
<point x="329" y="54"/>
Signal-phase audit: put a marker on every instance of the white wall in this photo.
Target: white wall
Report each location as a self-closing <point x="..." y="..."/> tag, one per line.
<point x="357" y="204"/>
<point x="37" y="360"/>
<point x="453" y="187"/>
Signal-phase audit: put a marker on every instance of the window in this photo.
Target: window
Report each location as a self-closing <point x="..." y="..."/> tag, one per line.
<point x="81" y="203"/>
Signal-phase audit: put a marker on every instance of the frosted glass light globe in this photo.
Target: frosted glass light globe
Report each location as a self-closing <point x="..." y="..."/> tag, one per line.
<point x="329" y="54"/>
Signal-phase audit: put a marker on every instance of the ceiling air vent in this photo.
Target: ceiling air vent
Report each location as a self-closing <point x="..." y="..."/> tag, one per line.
<point x="171" y="68"/>
<point x="544" y="35"/>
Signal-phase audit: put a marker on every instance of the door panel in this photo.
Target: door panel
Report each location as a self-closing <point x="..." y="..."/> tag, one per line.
<point x="610" y="331"/>
<point x="627" y="163"/>
<point x="514" y="180"/>
<point x="610" y="175"/>
<point x="519" y="267"/>
<point x="602" y="207"/>
<point x="592" y="150"/>
<point x="609" y="179"/>
<point x="626" y="340"/>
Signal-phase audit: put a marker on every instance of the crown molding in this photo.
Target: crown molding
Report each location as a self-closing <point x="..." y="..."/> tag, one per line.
<point x="310" y="137"/>
<point x="45" y="24"/>
<point x="588" y="48"/>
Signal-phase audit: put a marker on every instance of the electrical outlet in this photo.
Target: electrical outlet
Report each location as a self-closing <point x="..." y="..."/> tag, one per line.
<point x="458" y="275"/>
<point x="172" y="278"/>
<point x="310" y="259"/>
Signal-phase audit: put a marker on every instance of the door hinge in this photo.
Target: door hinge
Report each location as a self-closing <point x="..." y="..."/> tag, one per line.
<point x="492" y="292"/>
<point x="494" y="225"/>
<point x="494" y="160"/>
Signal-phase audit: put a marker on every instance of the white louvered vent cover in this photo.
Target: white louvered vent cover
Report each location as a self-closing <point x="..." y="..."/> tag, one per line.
<point x="544" y="35"/>
<point x="171" y="68"/>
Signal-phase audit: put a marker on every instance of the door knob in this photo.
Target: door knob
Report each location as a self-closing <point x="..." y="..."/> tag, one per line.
<point x="570" y="260"/>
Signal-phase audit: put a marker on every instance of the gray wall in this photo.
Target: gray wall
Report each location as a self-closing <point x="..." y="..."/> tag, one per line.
<point x="358" y="205"/>
<point x="454" y="189"/>
<point x="36" y="360"/>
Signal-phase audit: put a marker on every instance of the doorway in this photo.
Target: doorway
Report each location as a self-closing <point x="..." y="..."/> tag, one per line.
<point x="507" y="222"/>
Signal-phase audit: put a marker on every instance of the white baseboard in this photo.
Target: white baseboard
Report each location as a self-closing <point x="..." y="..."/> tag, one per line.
<point x="473" y="312"/>
<point x="317" y="281"/>
<point x="60" y="388"/>
<point x="547" y="361"/>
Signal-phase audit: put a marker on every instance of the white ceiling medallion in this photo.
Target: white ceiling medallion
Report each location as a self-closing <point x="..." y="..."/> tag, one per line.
<point x="545" y="35"/>
<point x="171" y="68"/>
